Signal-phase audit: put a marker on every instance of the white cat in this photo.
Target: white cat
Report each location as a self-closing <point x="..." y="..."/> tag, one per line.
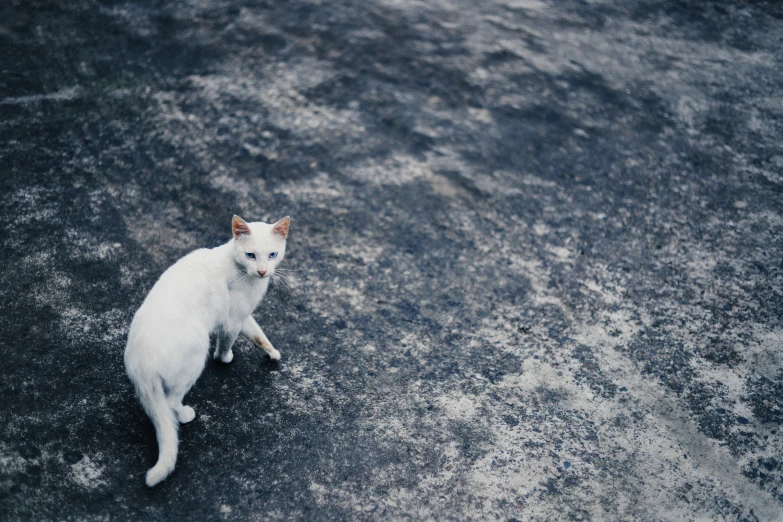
<point x="208" y="290"/>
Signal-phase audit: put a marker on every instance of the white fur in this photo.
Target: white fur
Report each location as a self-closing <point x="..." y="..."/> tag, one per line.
<point x="208" y="290"/>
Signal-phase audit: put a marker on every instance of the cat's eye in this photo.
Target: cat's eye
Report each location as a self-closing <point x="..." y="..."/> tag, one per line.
<point x="273" y="255"/>
<point x="251" y="255"/>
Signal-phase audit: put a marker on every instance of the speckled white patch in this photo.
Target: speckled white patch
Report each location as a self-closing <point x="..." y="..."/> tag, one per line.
<point x="87" y="473"/>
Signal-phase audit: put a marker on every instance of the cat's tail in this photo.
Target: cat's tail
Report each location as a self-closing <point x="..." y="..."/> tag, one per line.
<point x="153" y="399"/>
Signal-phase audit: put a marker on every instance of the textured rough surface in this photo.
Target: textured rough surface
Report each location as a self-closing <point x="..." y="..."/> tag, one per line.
<point x="538" y="250"/>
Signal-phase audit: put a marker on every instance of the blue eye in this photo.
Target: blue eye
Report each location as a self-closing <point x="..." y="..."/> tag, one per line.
<point x="250" y="255"/>
<point x="273" y="255"/>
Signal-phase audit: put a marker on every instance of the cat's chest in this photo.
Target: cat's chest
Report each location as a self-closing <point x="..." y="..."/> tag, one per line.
<point x="243" y="300"/>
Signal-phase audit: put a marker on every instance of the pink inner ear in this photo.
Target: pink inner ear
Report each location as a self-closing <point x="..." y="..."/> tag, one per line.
<point x="281" y="227"/>
<point x="239" y="226"/>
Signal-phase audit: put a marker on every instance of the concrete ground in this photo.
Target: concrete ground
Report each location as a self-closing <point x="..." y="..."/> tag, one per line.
<point x="538" y="247"/>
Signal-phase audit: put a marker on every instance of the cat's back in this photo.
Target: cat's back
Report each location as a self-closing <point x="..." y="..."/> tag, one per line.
<point x="188" y="288"/>
<point x="192" y="273"/>
<point x="173" y="323"/>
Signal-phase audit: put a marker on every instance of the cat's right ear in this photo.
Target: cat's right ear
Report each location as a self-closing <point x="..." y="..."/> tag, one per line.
<point x="239" y="227"/>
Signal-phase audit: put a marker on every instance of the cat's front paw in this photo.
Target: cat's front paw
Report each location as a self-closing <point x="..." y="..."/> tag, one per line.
<point x="273" y="354"/>
<point x="227" y="357"/>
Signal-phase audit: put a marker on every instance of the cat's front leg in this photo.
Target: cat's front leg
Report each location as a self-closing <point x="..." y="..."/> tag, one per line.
<point x="253" y="332"/>
<point x="224" y="341"/>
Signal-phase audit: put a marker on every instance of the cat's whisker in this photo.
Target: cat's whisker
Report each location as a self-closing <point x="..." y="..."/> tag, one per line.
<point x="283" y="275"/>
<point x="281" y="281"/>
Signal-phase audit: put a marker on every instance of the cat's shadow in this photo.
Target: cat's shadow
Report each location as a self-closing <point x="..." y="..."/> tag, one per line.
<point x="249" y="362"/>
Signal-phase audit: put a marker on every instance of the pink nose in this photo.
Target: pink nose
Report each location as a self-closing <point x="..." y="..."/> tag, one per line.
<point x="262" y="273"/>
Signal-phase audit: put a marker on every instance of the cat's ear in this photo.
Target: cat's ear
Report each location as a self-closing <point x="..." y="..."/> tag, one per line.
<point x="239" y="227"/>
<point x="281" y="227"/>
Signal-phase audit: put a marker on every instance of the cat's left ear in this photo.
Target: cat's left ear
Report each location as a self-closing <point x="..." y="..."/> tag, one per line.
<point x="281" y="227"/>
<point x="239" y="227"/>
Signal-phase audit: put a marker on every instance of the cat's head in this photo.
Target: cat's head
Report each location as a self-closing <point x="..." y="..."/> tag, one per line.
<point x="259" y="247"/>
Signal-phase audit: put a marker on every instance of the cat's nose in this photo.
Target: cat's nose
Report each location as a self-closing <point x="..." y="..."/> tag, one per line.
<point x="262" y="273"/>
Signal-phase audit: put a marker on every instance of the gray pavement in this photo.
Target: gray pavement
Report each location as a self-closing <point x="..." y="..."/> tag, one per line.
<point x="539" y="271"/>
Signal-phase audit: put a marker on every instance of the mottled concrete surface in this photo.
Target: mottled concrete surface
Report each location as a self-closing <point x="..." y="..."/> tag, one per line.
<point x="538" y="247"/>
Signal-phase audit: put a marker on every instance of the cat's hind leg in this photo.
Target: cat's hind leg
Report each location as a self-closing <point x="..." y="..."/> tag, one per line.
<point x="253" y="332"/>
<point x="184" y="414"/>
<point x="182" y="380"/>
